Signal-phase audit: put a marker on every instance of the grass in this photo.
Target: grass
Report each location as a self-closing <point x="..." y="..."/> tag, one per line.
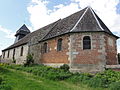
<point x="19" y="80"/>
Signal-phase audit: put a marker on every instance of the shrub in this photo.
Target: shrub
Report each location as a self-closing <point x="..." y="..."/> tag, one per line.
<point x="65" y="67"/>
<point x="109" y="76"/>
<point x="29" y="60"/>
<point x="115" y="86"/>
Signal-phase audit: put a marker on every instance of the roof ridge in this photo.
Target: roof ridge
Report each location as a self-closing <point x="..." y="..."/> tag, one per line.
<point x="79" y="19"/>
<point x="96" y="18"/>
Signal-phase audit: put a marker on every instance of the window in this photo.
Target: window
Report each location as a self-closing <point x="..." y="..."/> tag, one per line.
<point x="8" y="54"/>
<point x="21" y="53"/>
<point x="45" y="47"/>
<point x="13" y="53"/>
<point x="86" y="42"/>
<point x="3" y="54"/>
<point x="59" y="45"/>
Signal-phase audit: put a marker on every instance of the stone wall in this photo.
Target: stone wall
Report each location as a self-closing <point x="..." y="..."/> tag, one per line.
<point x="111" y="50"/>
<point x="19" y="59"/>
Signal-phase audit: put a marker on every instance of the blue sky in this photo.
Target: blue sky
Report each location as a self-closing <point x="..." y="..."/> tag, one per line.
<point x="37" y="13"/>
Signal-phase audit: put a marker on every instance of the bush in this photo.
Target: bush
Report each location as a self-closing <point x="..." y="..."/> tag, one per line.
<point x="109" y="76"/>
<point x="65" y="67"/>
<point x="115" y="86"/>
<point x="29" y="60"/>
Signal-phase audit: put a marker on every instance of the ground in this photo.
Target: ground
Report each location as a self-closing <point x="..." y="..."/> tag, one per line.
<point x="20" y="80"/>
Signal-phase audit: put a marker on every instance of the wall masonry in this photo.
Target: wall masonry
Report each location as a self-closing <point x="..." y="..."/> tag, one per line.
<point x="19" y="59"/>
<point x="54" y="56"/>
<point x="111" y="50"/>
<point x="92" y="60"/>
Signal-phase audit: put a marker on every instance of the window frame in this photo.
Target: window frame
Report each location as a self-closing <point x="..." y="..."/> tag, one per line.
<point x="45" y="47"/>
<point x="88" y="41"/>
<point x="59" y="44"/>
<point x="4" y="54"/>
<point x="8" y="54"/>
<point x="14" y="53"/>
<point x="21" y="52"/>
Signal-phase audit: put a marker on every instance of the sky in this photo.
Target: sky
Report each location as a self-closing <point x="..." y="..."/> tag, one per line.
<point x="38" y="13"/>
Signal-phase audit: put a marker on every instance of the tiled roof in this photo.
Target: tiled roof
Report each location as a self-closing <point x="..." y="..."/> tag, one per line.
<point x="23" y="30"/>
<point x="85" y="20"/>
<point x="40" y="32"/>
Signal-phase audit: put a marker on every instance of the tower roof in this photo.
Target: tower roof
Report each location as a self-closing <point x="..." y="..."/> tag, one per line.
<point x="23" y="30"/>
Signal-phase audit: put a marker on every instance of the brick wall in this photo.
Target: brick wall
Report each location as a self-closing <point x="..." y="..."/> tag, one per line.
<point x="87" y="60"/>
<point x="54" y="56"/>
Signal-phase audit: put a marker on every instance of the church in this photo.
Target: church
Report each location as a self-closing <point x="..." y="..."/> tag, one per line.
<point x="80" y="40"/>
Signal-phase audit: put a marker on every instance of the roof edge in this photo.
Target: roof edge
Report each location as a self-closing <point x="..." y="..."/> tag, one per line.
<point x="96" y="18"/>
<point x="14" y="47"/>
<point x="79" y="19"/>
<point x="77" y="32"/>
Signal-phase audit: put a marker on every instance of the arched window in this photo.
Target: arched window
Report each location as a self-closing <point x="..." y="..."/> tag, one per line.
<point x="8" y="54"/>
<point x="86" y="42"/>
<point x="45" y="47"/>
<point x="13" y="53"/>
<point x="21" y="53"/>
<point x="4" y="54"/>
<point x="59" y="45"/>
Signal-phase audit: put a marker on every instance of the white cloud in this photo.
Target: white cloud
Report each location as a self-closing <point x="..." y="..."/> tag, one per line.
<point x="41" y="15"/>
<point x="9" y="33"/>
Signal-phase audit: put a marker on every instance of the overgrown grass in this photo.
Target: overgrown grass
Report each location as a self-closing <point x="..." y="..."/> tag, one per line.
<point x="107" y="79"/>
<point x="20" y="80"/>
<point x="3" y="82"/>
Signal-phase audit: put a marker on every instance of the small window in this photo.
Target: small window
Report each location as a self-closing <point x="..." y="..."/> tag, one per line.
<point x="3" y="54"/>
<point x="59" y="45"/>
<point x="45" y="47"/>
<point x="21" y="53"/>
<point x="86" y="42"/>
<point x="13" y="53"/>
<point x="8" y="54"/>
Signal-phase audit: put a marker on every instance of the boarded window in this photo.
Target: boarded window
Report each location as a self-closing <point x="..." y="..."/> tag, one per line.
<point x="21" y="53"/>
<point x="45" y="47"/>
<point x="8" y="54"/>
<point x="59" y="45"/>
<point x="86" y="42"/>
